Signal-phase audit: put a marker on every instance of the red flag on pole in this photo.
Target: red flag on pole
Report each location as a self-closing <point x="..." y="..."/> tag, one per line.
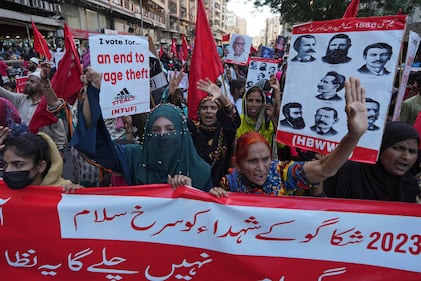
<point x="40" y="45"/>
<point x="352" y="9"/>
<point x="205" y="62"/>
<point x="184" y="47"/>
<point x="69" y="69"/>
<point x="66" y="83"/>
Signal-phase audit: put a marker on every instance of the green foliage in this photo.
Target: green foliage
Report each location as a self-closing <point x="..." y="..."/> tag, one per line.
<point x="296" y="11"/>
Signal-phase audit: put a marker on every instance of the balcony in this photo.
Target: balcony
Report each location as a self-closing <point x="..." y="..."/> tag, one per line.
<point x="40" y="4"/>
<point x="124" y="7"/>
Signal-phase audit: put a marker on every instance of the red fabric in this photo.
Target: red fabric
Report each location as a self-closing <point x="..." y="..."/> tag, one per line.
<point x="253" y="49"/>
<point x="41" y="117"/>
<point x="8" y="112"/>
<point x="205" y="62"/>
<point x="69" y="69"/>
<point x="352" y="10"/>
<point x="417" y="126"/>
<point x="98" y="232"/>
<point x="226" y="37"/>
<point x="174" y="47"/>
<point x="66" y="83"/>
<point x="185" y="47"/>
<point x="161" y="51"/>
<point x="40" y="45"/>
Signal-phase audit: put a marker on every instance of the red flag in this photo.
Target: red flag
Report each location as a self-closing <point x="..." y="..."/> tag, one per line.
<point x="352" y="10"/>
<point x="40" y="45"/>
<point x="66" y="83"/>
<point x="226" y="37"/>
<point x="161" y="51"/>
<point x="174" y="47"/>
<point x="184" y="47"/>
<point x="69" y="70"/>
<point x="205" y="62"/>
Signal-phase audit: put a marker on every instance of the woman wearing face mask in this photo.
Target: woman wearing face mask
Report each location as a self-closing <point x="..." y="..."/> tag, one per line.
<point x="256" y="172"/>
<point x="214" y="133"/>
<point x="32" y="159"/>
<point x="390" y="179"/>
<point x="166" y="155"/>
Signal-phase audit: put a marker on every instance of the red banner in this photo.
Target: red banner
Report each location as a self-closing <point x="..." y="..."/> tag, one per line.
<point x="154" y="233"/>
<point x="20" y="83"/>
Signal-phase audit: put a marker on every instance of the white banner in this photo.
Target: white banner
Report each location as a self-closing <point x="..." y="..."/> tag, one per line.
<point x="123" y="61"/>
<point x="413" y="44"/>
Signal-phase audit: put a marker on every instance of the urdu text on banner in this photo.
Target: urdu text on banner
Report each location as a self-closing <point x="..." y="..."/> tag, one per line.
<point x="155" y="233"/>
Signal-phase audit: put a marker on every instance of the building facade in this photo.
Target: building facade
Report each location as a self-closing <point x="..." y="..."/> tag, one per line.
<point x="161" y="19"/>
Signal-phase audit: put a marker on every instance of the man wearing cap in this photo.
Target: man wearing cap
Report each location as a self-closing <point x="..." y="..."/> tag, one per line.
<point x="33" y="65"/>
<point x="26" y="103"/>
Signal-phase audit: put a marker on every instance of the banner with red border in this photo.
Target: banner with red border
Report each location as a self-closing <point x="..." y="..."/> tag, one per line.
<point x="155" y="233"/>
<point x="323" y="55"/>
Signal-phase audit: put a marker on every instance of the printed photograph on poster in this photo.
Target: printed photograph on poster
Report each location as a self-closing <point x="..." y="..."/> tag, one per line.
<point x="313" y="103"/>
<point x="260" y="70"/>
<point x="157" y="76"/>
<point x="238" y="49"/>
<point x="123" y="61"/>
<point x="266" y="52"/>
<point x="280" y="43"/>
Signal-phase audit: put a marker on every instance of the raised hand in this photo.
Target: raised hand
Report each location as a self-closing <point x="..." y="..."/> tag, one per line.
<point x="4" y="132"/>
<point x="209" y="87"/>
<point x="175" y="80"/>
<point x="91" y="76"/>
<point x="45" y="71"/>
<point x="355" y="107"/>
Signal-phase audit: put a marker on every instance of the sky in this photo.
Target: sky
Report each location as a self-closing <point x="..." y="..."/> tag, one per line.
<point x="255" y="19"/>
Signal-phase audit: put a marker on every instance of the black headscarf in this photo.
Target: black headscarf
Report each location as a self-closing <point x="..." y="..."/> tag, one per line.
<point x="371" y="181"/>
<point x="215" y="143"/>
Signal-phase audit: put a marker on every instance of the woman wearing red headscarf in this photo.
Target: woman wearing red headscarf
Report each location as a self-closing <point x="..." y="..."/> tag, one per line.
<point x="256" y="172"/>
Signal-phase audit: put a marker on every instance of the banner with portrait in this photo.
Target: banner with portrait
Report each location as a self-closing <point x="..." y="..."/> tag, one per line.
<point x="323" y="55"/>
<point x="238" y="49"/>
<point x="266" y="52"/>
<point x="153" y="232"/>
<point x="259" y="73"/>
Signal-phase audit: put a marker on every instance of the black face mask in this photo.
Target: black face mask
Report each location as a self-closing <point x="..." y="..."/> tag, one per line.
<point x="17" y="179"/>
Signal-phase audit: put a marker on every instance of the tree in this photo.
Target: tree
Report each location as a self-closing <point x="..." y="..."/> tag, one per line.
<point x="296" y="11"/>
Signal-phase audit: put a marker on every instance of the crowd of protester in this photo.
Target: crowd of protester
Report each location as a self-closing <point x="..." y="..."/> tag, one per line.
<point x="230" y="148"/>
